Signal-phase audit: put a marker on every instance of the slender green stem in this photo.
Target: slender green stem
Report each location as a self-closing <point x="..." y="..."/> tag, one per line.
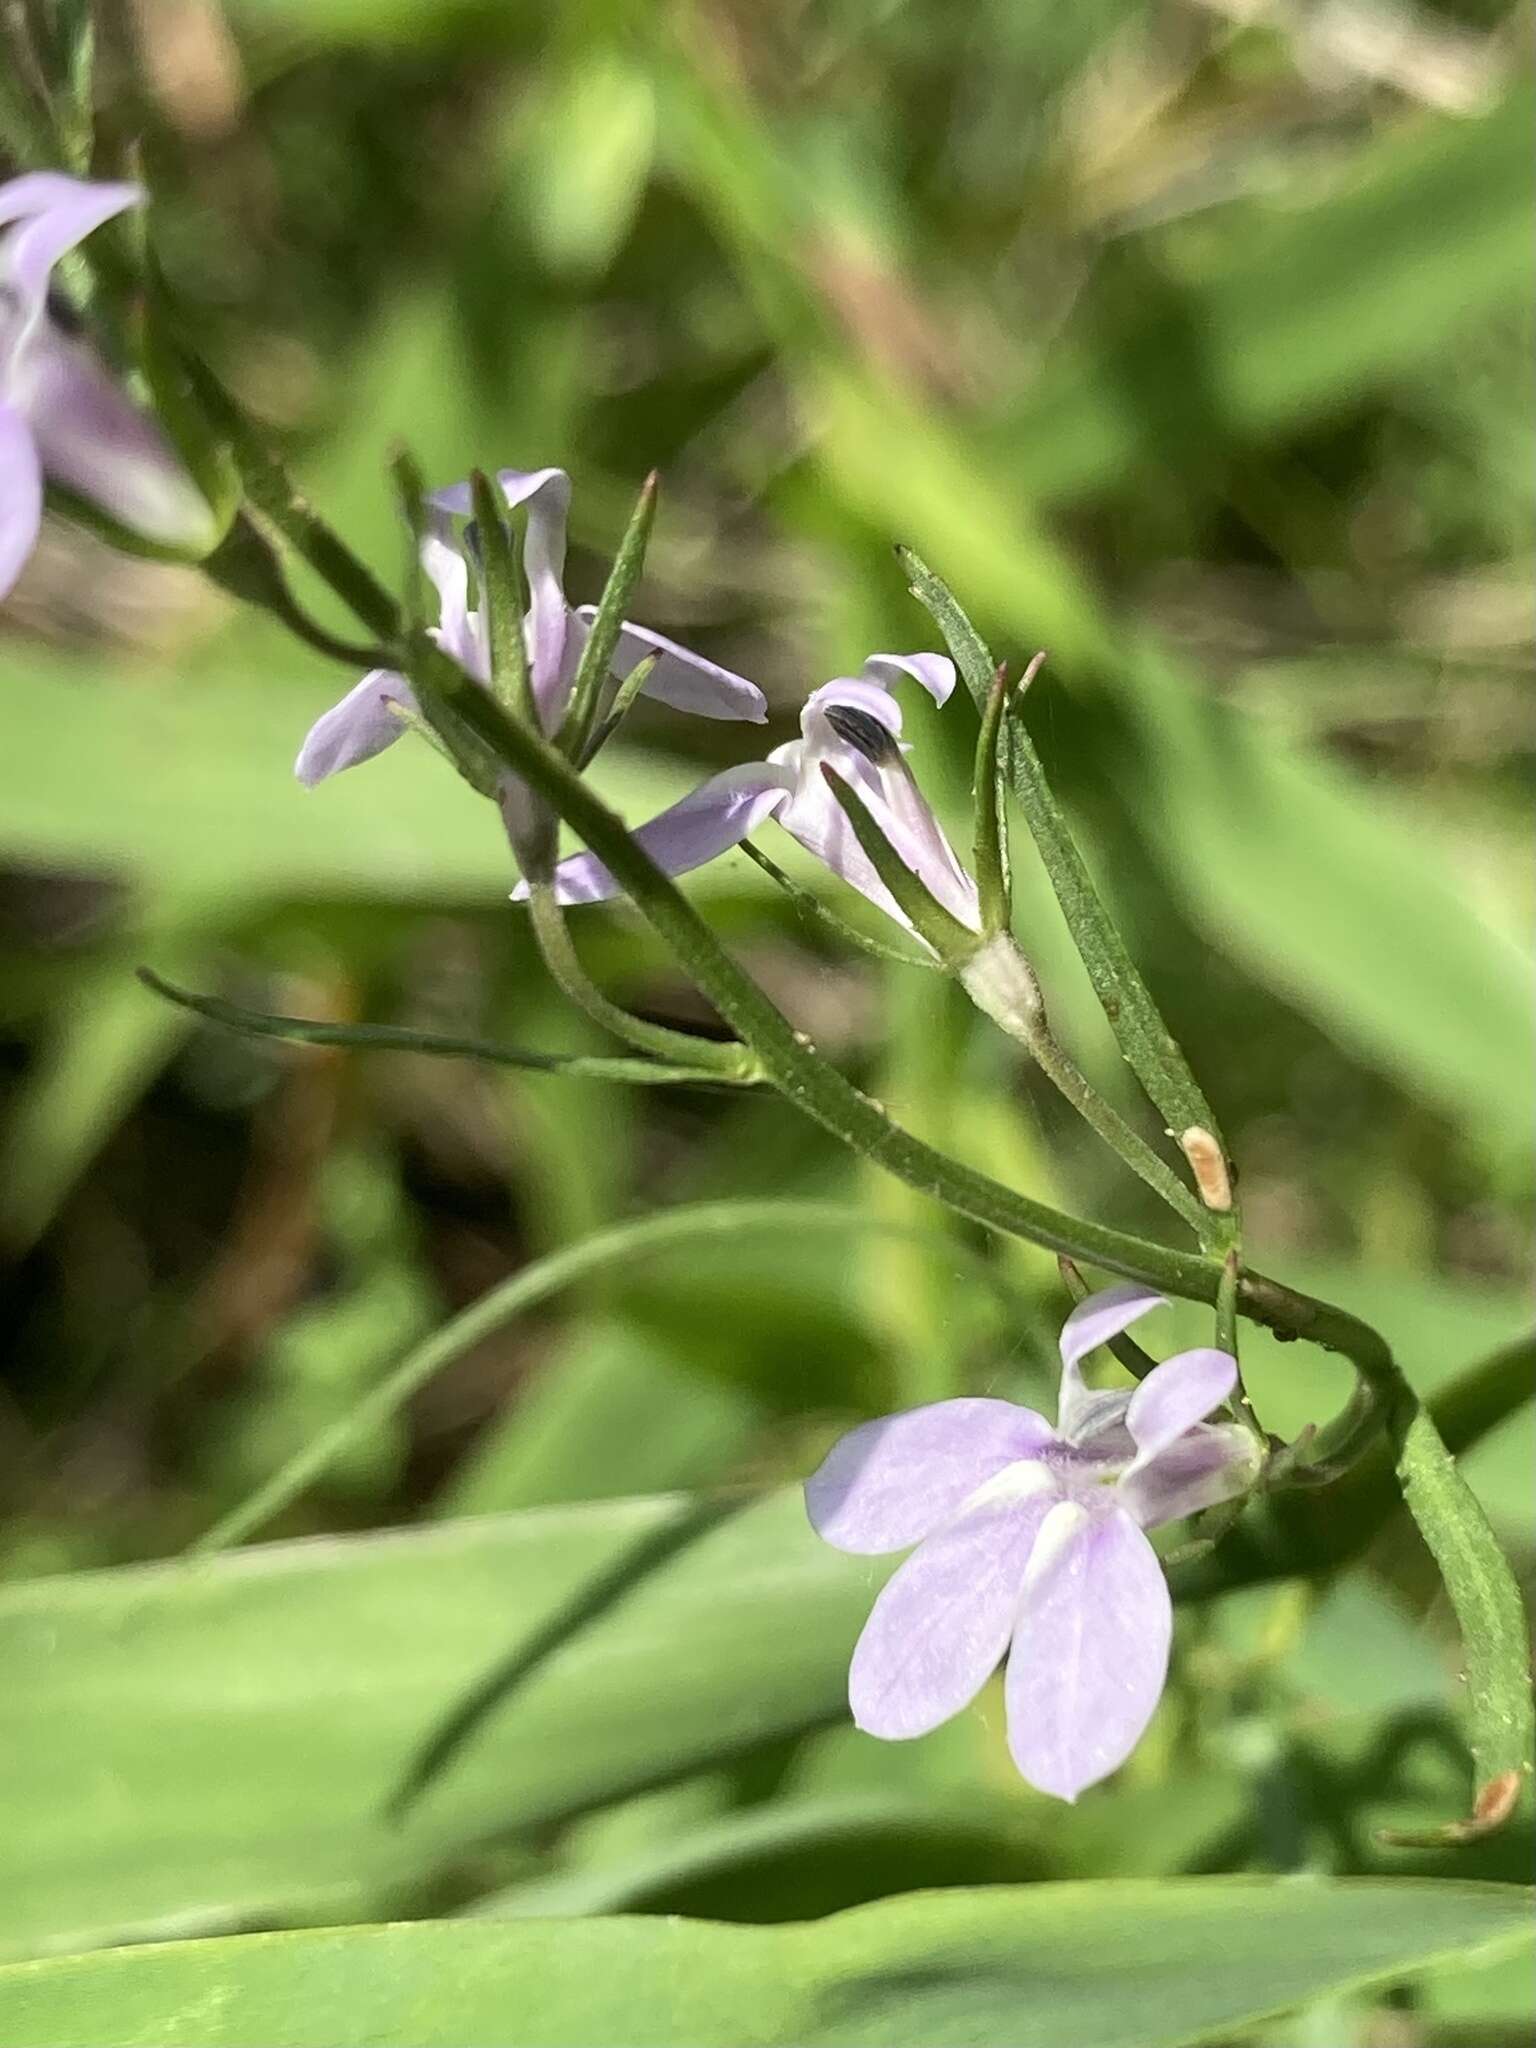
<point x="819" y="1091"/>
<point x="1062" y="1071"/>
<point x="246" y="564"/>
<point x="1137" y="1362"/>
<point x="1480" y="1398"/>
<point x="438" y="1044"/>
<point x="1226" y="1340"/>
<point x="274" y="493"/>
<point x="1000" y="981"/>
<point x="1226" y="1306"/>
<point x="787" y="1059"/>
<point x="730" y="1061"/>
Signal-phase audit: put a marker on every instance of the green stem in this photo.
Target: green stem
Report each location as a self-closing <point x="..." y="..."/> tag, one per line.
<point x="1150" y="1048"/>
<point x="1226" y="1340"/>
<point x="1001" y="982"/>
<point x="729" y="1061"/>
<point x="273" y="492"/>
<point x="819" y="1091"/>
<point x="1065" y="1075"/>
<point x="246" y="564"/>
<point x="1137" y="1362"/>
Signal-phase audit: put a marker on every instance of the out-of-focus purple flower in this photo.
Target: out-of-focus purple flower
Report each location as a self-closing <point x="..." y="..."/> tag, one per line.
<point x="851" y="725"/>
<point x="62" y="417"/>
<point x="374" y="713"/>
<point x="1032" y="1537"/>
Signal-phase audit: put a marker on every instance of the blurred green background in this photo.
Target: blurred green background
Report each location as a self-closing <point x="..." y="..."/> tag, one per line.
<point x="1191" y="342"/>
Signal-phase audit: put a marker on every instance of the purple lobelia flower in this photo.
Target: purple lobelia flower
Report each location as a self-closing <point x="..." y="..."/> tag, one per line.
<point x="1030" y="1541"/>
<point x="375" y="711"/>
<point x="852" y="725"/>
<point x="62" y="417"/>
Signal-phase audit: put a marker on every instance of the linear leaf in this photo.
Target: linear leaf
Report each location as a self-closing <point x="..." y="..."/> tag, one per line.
<point x="1098" y="1965"/>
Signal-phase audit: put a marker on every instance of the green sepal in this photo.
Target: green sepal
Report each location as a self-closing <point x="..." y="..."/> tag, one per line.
<point x="438" y="682"/>
<point x="511" y="684"/>
<point x="953" y="941"/>
<point x="623" y="701"/>
<point x="582" y="711"/>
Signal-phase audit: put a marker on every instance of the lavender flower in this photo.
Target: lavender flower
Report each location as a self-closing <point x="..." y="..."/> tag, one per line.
<point x="376" y="711"/>
<point x="61" y="415"/>
<point x="852" y="725"/>
<point x="1032" y="1537"/>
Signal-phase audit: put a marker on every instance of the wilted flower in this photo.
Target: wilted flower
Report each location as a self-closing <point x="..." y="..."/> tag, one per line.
<point x="374" y="713"/>
<point x="61" y="415"/>
<point x="851" y="725"/>
<point x="1032" y="1537"/>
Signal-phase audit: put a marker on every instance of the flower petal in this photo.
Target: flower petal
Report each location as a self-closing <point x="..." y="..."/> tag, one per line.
<point x="1092" y="1323"/>
<point x="21" y="496"/>
<point x="1172" y="1399"/>
<point x="361" y="725"/>
<point x="710" y="821"/>
<point x="681" y="678"/>
<point x="1090" y="1653"/>
<point x="1214" y="1461"/>
<point x="849" y="693"/>
<point x="54" y="214"/>
<point x="851" y="725"/>
<point x="935" y="1635"/>
<point x="458" y="628"/>
<point x="936" y="672"/>
<point x="547" y="494"/>
<point x="887" y="1484"/>
<point x="93" y="439"/>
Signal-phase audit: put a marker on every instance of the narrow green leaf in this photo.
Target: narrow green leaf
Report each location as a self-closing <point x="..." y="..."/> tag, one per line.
<point x="1117" y="1964"/>
<point x="1148" y="1045"/>
<point x="592" y="672"/>
<point x="727" y="1058"/>
<point x="441" y="1045"/>
<point x="215" y="1742"/>
<point x="1490" y="1613"/>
